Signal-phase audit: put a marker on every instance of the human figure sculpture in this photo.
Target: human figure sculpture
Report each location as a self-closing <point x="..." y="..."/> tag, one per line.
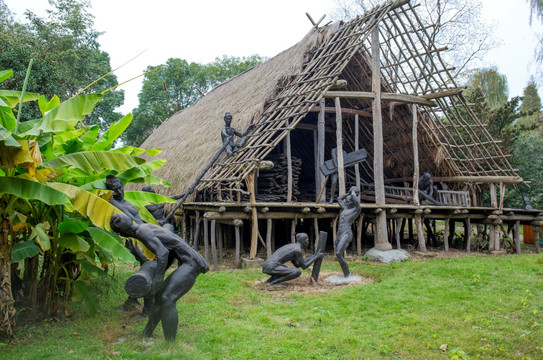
<point x="275" y="264"/>
<point x="227" y="134"/>
<point x="157" y="210"/>
<point x="115" y="185"/>
<point x="167" y="246"/>
<point x="427" y="189"/>
<point x="350" y="209"/>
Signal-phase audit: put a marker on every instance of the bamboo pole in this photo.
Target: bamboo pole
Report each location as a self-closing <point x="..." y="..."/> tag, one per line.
<point x="339" y="145"/>
<point x="381" y="238"/>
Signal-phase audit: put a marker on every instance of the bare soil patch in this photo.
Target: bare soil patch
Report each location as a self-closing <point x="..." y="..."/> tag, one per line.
<point x="304" y="286"/>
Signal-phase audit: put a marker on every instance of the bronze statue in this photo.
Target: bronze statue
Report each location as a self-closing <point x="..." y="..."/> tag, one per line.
<point x="427" y="190"/>
<point x="167" y="246"/>
<point x="157" y="210"/>
<point x="227" y="134"/>
<point x="115" y="185"/>
<point x="350" y="209"/>
<point x="275" y="264"/>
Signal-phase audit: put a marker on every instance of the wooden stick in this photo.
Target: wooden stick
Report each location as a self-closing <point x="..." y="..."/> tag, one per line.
<point x="359" y="230"/>
<point x="420" y="233"/>
<point x="206" y="240"/>
<point x="467" y="234"/>
<point x="238" y="247"/>
<point x="446" y="235"/>
<point x="339" y="145"/>
<point x="516" y="236"/>
<point x="268" y="237"/>
<point x="381" y="240"/>
<point x="321" y="144"/>
<point x="214" y="245"/>
<point x="289" y="167"/>
<point x="196" y="231"/>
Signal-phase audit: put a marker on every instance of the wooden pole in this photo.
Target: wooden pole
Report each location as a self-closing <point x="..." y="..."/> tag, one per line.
<point x="220" y="240"/>
<point x="339" y="144"/>
<point x="420" y="232"/>
<point x="316" y="231"/>
<point x="502" y="194"/>
<point x="238" y="246"/>
<point x="316" y="163"/>
<point x="293" y="230"/>
<point x="494" y="243"/>
<point x="516" y="236"/>
<point x="467" y="234"/>
<point x="196" y="240"/>
<point x="321" y="144"/>
<point x="268" y="237"/>
<point x="381" y="238"/>
<point x="289" y="167"/>
<point x="446" y="235"/>
<point x="356" y="147"/>
<point x="254" y="215"/>
<point x="415" y="157"/>
<point x="206" y="240"/>
<point x="214" y="245"/>
<point x="397" y="230"/>
<point x="359" y="225"/>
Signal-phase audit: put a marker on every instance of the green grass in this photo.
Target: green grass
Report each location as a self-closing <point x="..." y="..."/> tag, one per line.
<point x="482" y="307"/>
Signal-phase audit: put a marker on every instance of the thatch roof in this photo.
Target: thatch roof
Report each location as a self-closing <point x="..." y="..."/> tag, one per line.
<point x="281" y="92"/>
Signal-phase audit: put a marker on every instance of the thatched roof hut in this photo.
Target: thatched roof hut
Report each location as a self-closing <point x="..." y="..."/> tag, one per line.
<point x="282" y="95"/>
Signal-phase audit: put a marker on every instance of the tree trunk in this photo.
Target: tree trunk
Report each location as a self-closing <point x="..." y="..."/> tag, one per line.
<point x="7" y="309"/>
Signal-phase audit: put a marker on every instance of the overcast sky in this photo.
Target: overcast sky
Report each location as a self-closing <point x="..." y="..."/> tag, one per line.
<point x="200" y="31"/>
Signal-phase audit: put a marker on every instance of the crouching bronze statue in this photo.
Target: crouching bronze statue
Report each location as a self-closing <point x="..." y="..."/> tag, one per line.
<point x="275" y="264"/>
<point x="167" y="246"/>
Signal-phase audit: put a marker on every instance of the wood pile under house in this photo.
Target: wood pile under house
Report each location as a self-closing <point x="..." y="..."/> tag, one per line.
<point x="376" y="83"/>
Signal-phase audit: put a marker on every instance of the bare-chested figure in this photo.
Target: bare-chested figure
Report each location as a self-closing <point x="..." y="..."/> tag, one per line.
<point x="275" y="264"/>
<point x="350" y="209"/>
<point x="167" y="246"/>
<point x="227" y="134"/>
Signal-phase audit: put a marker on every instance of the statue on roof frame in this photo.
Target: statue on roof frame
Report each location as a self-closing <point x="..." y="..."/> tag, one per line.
<point x="227" y="134"/>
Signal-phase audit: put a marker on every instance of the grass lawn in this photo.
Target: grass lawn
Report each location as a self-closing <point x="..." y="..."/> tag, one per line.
<point x="468" y="307"/>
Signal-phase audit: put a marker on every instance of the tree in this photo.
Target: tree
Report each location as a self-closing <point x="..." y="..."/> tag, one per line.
<point x="531" y="101"/>
<point x="172" y="87"/>
<point x="455" y="24"/>
<point x="492" y="84"/>
<point x="66" y="53"/>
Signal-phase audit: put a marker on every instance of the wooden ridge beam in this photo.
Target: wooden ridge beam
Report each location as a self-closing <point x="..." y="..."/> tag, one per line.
<point x="401" y="98"/>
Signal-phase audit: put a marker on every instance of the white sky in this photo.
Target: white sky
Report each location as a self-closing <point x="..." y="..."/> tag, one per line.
<point x="201" y="30"/>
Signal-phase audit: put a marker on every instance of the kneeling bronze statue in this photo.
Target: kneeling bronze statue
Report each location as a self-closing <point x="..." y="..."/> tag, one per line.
<point x="275" y="264"/>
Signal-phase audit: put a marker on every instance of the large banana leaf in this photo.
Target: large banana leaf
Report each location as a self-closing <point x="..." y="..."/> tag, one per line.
<point x="111" y="243"/>
<point x="138" y="173"/>
<point x="6" y="138"/>
<point x="32" y="190"/>
<point x="23" y="250"/>
<point x="89" y="205"/>
<point x="67" y="114"/>
<point x="142" y="198"/>
<point x="46" y="106"/>
<point x="115" y="130"/>
<point x="5" y="74"/>
<point x="12" y="97"/>
<point x="135" y="151"/>
<point x="95" y="161"/>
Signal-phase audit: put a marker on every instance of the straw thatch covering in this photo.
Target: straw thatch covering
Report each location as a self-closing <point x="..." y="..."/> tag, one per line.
<point x="279" y="94"/>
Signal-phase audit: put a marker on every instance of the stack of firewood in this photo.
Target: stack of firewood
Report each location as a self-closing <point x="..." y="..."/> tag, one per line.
<point x="273" y="184"/>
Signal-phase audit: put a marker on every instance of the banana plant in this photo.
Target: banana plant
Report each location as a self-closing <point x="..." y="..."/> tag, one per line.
<point x="53" y="201"/>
